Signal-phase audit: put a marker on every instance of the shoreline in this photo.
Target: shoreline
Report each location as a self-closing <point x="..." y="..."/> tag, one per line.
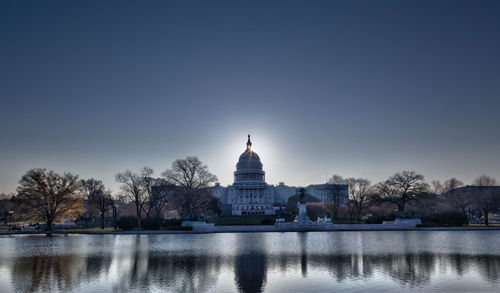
<point x="252" y="229"/>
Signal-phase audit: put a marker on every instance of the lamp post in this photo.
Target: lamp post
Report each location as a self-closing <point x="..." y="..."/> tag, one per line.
<point x="10" y="217"/>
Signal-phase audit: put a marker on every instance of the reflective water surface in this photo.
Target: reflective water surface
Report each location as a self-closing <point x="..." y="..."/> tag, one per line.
<point x="413" y="261"/>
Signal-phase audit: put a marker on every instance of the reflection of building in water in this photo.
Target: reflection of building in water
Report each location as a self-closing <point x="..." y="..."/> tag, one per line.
<point x="251" y="195"/>
<point x="250" y="263"/>
<point x="250" y="272"/>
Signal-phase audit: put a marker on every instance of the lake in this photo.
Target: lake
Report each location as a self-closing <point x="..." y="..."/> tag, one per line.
<point x="389" y="261"/>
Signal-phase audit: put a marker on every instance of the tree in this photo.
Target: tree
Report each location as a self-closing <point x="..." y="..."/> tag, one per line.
<point x="190" y="172"/>
<point x="192" y="195"/>
<point x="437" y="187"/>
<point x="156" y="200"/>
<point x="336" y="179"/>
<point x="189" y="201"/>
<point x="451" y="184"/>
<point x="133" y="188"/>
<point x="401" y="189"/>
<point x="359" y="190"/>
<point x="161" y="193"/>
<point x="157" y="191"/>
<point x="114" y="209"/>
<point x="97" y="197"/>
<point x="458" y="199"/>
<point x="48" y="196"/>
<point x="336" y="199"/>
<point x="6" y="206"/>
<point x="351" y="210"/>
<point x="485" y="197"/>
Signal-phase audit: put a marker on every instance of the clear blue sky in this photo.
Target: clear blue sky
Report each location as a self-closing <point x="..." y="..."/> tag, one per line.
<point x="356" y="88"/>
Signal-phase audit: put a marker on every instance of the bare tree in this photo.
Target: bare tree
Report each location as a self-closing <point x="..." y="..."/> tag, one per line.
<point x="158" y="191"/>
<point x="335" y="202"/>
<point x="148" y="183"/>
<point x="114" y="210"/>
<point x="336" y="199"/>
<point x="485" y="196"/>
<point x="336" y="179"/>
<point x="451" y="184"/>
<point x="351" y="210"/>
<point x="193" y="180"/>
<point x="161" y="194"/>
<point x="133" y="188"/>
<point x="190" y="172"/>
<point x="359" y="190"/>
<point x="401" y="189"/>
<point x="437" y="187"/>
<point x="188" y="201"/>
<point x="459" y="200"/>
<point x="97" y="196"/>
<point x="48" y="196"/>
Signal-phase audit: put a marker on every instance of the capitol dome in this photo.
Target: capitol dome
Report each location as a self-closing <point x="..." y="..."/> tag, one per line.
<point x="249" y="156"/>
<point x="249" y="167"/>
<point x="251" y="194"/>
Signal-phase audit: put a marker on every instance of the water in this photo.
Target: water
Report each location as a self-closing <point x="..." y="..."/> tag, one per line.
<point x="393" y="261"/>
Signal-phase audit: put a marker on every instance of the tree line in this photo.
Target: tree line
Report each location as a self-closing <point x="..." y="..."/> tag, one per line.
<point x="407" y="191"/>
<point x="49" y="197"/>
<point x="184" y="190"/>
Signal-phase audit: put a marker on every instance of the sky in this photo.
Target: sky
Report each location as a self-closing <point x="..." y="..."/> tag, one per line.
<point x="355" y="88"/>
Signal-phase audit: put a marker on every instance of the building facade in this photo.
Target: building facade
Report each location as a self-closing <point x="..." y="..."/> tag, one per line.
<point x="251" y="195"/>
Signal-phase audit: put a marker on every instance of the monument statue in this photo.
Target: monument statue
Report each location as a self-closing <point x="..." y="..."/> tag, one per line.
<point x="302" y="221"/>
<point x="302" y="198"/>
<point x="301" y="205"/>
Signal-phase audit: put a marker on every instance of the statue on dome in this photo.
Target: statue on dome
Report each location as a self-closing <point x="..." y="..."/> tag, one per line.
<point x="249" y="143"/>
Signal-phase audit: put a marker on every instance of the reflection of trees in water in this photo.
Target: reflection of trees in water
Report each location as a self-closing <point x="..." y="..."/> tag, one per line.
<point x="97" y="265"/>
<point x="176" y="273"/>
<point x="163" y="270"/>
<point x="185" y="273"/>
<point x="62" y="273"/>
<point x="488" y="267"/>
<point x="47" y="273"/>
<point x="142" y="269"/>
<point x="179" y="273"/>
<point x="406" y="268"/>
<point x="410" y="269"/>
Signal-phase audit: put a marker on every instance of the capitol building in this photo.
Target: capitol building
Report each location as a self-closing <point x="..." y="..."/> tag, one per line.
<point x="251" y="195"/>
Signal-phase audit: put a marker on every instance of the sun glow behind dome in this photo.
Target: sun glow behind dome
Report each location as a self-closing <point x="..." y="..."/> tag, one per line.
<point x="262" y="145"/>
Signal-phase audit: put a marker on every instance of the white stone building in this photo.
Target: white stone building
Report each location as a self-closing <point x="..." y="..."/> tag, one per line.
<point x="251" y="195"/>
